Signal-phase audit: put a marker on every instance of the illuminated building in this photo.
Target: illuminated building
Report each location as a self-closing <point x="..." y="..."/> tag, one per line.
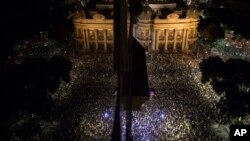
<point x="171" y="33"/>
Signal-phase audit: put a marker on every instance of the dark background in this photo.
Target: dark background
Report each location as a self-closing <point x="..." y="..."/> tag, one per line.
<point x="22" y="19"/>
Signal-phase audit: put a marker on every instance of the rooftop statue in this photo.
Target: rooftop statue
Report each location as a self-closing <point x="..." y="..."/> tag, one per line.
<point x="99" y="17"/>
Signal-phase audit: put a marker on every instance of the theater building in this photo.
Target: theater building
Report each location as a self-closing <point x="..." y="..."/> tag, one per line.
<point x="173" y="32"/>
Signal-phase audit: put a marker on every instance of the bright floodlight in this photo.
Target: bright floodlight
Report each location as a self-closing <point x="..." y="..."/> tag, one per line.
<point x="162" y="115"/>
<point x="106" y="115"/>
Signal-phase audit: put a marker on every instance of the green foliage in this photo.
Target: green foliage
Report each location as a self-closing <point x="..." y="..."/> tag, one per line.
<point x="238" y="121"/>
<point x="219" y="43"/>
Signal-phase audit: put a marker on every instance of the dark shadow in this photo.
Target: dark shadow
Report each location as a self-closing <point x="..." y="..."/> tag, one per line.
<point x="140" y="77"/>
<point x="26" y="18"/>
<point x="117" y="132"/>
<point x="61" y="24"/>
<point x="231" y="78"/>
<point x="210" y="29"/>
<point x="233" y="20"/>
<point x="27" y="87"/>
<point x="139" y="87"/>
<point x="22" y="21"/>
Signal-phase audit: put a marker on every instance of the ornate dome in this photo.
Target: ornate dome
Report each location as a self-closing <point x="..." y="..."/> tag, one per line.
<point x="146" y="14"/>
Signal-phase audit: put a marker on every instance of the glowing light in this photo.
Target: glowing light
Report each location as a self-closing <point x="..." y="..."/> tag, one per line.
<point x="106" y="115"/>
<point x="162" y="115"/>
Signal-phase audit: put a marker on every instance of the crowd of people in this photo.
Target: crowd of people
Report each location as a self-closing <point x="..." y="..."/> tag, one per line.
<point x="181" y="107"/>
<point x="232" y="46"/>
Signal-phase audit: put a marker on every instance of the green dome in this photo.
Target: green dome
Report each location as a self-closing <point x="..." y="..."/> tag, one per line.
<point x="146" y="14"/>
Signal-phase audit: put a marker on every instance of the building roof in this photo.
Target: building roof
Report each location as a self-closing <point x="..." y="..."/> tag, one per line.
<point x="146" y="14"/>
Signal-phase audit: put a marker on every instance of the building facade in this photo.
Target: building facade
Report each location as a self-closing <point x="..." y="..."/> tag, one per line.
<point x="94" y="34"/>
<point x="171" y="34"/>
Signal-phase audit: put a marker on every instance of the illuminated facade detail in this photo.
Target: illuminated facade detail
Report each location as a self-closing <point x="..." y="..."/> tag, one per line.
<point x="172" y="34"/>
<point x="94" y="34"/>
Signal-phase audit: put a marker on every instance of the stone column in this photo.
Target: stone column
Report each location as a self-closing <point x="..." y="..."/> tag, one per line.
<point x="105" y="39"/>
<point x="157" y="40"/>
<point x="84" y="38"/>
<point x="187" y="39"/>
<point x="183" y="39"/>
<point x="166" y="40"/>
<point x="153" y="40"/>
<point x="175" y="35"/>
<point x="87" y="39"/>
<point x="96" y="41"/>
<point x="195" y="32"/>
<point x="195" y="36"/>
<point x="112" y="36"/>
<point x="134" y="27"/>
